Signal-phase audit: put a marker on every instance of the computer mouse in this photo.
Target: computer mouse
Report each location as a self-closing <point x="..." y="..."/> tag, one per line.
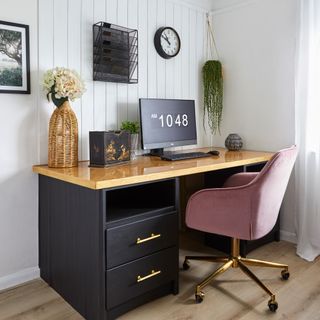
<point x="214" y="152"/>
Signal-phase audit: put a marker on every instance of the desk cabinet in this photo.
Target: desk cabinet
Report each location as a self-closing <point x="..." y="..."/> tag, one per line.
<point x="107" y="251"/>
<point x="105" y="233"/>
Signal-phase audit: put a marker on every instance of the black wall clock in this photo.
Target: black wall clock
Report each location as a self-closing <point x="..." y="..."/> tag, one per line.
<point x="167" y="42"/>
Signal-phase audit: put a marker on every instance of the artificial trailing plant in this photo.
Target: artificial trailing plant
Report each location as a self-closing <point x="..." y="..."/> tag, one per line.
<point x="213" y="94"/>
<point x="213" y="84"/>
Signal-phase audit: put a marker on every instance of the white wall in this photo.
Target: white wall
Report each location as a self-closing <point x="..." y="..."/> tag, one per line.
<point x="256" y="43"/>
<point x="61" y="35"/>
<point x="18" y="152"/>
<point x="65" y="39"/>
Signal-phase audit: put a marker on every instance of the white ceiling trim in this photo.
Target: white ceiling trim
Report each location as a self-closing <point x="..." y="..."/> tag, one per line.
<point x="231" y="6"/>
<point x="214" y="6"/>
<point x="203" y="5"/>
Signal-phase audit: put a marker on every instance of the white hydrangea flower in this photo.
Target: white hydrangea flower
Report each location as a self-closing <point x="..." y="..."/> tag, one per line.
<point x="63" y="83"/>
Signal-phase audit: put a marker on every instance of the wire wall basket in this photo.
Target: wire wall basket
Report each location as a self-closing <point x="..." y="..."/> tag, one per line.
<point x="115" y="53"/>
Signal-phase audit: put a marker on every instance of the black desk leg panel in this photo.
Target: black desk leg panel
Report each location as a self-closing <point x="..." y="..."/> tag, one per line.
<point x="71" y="243"/>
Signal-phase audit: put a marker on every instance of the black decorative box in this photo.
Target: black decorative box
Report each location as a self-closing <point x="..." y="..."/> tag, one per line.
<point x="109" y="147"/>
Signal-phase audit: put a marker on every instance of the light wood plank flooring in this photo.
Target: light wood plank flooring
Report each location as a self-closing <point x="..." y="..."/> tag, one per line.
<point x="231" y="296"/>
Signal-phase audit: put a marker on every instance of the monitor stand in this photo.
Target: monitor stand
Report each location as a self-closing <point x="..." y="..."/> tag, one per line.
<point x="155" y="152"/>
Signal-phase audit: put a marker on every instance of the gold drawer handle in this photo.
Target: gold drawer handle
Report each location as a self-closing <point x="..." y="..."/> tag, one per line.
<point x="152" y="237"/>
<point x="152" y="274"/>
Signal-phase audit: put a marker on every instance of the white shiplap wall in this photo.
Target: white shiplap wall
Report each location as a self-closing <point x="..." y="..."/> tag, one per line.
<point x="65" y="39"/>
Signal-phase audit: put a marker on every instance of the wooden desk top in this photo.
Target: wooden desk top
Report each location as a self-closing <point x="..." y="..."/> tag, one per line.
<point x="146" y="168"/>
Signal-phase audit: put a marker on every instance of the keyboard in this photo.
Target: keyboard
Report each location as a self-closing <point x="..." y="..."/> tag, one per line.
<point x="183" y="156"/>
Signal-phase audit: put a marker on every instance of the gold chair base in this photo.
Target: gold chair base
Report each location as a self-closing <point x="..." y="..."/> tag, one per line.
<point x="236" y="261"/>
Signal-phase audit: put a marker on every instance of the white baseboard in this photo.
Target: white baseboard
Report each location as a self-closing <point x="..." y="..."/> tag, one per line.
<point x="19" y="277"/>
<point x="288" y="236"/>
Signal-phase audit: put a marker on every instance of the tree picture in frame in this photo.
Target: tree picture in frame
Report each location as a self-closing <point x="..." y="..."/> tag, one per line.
<point x="14" y="58"/>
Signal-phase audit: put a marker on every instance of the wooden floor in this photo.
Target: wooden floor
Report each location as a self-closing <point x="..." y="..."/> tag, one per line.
<point x="231" y="296"/>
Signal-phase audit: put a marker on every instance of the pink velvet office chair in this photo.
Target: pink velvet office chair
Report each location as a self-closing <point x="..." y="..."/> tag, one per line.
<point x="246" y="208"/>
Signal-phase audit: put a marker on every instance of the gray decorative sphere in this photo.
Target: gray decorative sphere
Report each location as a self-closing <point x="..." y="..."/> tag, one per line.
<point x="233" y="142"/>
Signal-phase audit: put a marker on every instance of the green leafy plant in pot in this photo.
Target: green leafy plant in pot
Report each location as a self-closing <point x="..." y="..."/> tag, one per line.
<point x="133" y="128"/>
<point x="213" y="94"/>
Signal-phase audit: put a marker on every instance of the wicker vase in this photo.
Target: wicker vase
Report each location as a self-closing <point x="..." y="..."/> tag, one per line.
<point x="63" y="138"/>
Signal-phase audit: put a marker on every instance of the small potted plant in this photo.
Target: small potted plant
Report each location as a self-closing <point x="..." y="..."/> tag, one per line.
<point x="133" y="128"/>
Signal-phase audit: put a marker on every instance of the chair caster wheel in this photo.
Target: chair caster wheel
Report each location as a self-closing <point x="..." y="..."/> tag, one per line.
<point x="273" y="305"/>
<point x="185" y="265"/>
<point x="285" y="274"/>
<point x="199" y="297"/>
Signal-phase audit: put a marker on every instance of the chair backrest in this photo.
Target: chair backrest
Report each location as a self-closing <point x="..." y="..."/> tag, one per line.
<point x="268" y="190"/>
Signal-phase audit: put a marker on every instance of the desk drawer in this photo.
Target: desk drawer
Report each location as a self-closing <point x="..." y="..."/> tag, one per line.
<point x="154" y="271"/>
<point x="155" y="233"/>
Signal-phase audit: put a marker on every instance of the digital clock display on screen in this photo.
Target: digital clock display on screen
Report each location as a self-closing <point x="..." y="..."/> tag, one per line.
<point x="170" y="120"/>
<point x="167" y="122"/>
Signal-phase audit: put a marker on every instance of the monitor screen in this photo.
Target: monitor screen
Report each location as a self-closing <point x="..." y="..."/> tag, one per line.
<point x="167" y="123"/>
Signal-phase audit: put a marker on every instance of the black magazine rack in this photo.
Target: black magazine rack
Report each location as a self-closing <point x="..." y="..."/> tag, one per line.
<point x="115" y="53"/>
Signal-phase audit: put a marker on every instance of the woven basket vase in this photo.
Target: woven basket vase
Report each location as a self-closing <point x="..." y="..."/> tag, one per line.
<point x="63" y="138"/>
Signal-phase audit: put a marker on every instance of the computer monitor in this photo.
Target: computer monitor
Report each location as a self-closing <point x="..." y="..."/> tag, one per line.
<point x="167" y="123"/>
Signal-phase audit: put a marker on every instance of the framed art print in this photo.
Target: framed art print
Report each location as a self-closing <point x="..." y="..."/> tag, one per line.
<point x="14" y="58"/>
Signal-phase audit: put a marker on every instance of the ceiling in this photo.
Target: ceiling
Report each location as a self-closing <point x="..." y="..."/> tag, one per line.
<point x="220" y="4"/>
<point x="214" y="4"/>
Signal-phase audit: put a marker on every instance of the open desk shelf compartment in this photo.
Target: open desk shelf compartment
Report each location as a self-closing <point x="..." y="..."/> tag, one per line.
<point x="143" y="199"/>
<point x="115" y="53"/>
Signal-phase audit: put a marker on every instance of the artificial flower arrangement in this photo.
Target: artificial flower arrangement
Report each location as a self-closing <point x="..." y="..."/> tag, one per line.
<point x="62" y="84"/>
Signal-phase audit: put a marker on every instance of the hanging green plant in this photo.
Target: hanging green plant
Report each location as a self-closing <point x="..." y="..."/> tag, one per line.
<point x="213" y="94"/>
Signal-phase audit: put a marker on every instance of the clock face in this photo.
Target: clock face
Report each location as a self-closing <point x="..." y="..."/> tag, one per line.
<point x="167" y="42"/>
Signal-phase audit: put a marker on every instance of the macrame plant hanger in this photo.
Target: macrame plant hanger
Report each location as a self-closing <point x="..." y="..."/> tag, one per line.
<point x="213" y="84"/>
<point x="211" y="42"/>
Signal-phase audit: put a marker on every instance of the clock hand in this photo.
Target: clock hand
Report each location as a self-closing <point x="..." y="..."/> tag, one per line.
<point x="166" y="38"/>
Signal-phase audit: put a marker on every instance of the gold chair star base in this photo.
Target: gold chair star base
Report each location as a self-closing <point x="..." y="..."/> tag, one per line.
<point x="236" y="261"/>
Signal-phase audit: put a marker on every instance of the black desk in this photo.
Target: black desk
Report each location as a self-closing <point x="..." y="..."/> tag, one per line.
<point x="108" y="237"/>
